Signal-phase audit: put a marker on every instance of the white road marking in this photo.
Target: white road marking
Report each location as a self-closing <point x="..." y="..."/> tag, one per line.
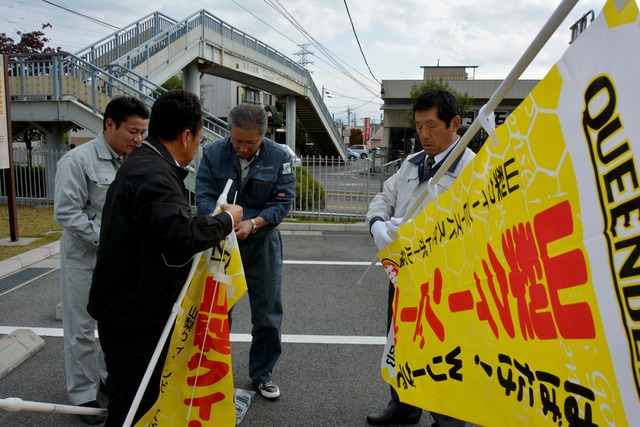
<point x="286" y="338"/>
<point x="304" y="262"/>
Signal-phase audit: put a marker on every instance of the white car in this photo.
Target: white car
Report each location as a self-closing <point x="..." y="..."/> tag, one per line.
<point x="362" y="150"/>
<point x="296" y="160"/>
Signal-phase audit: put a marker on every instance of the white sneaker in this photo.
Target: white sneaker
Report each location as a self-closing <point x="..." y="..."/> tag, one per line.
<point x="268" y="390"/>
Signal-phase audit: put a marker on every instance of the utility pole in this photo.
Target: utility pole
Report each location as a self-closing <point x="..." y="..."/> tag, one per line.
<point x="302" y="53"/>
<point x="323" y="92"/>
<point x="348" y="116"/>
<point x="6" y="135"/>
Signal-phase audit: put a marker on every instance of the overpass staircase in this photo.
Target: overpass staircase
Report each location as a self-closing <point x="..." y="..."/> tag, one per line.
<point x="56" y="92"/>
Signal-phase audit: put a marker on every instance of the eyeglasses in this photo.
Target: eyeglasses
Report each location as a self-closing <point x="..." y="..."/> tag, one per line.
<point x="246" y="144"/>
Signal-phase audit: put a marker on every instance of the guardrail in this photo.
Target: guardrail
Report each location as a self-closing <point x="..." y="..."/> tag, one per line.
<point x="108" y="49"/>
<point x="327" y="188"/>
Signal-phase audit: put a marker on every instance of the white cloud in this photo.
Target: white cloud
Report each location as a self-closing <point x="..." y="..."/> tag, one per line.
<point x="397" y="36"/>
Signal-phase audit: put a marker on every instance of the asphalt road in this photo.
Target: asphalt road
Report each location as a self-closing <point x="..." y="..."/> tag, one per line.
<point x="328" y="373"/>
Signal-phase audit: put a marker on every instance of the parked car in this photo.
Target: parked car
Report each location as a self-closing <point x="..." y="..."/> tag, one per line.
<point x="352" y="155"/>
<point x="296" y="160"/>
<point x="362" y="150"/>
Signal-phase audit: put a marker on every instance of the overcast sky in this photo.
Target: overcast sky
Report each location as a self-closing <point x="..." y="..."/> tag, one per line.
<point x="397" y="37"/>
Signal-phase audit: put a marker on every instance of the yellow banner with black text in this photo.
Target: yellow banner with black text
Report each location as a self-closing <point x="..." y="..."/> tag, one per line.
<point x="518" y="290"/>
<point x="197" y="383"/>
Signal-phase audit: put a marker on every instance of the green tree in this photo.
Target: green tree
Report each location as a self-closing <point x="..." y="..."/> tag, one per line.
<point x="464" y="100"/>
<point x="356" y="137"/>
<point x="309" y="192"/>
<point x="302" y="136"/>
<point x="174" y="82"/>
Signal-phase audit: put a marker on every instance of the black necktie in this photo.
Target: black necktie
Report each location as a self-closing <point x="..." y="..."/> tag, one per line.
<point x="428" y="164"/>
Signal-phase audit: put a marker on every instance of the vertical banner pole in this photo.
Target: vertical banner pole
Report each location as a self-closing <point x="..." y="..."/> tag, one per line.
<point x="550" y="27"/>
<point x="6" y="139"/>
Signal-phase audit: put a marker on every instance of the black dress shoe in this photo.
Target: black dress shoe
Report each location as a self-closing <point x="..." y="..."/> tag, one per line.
<point x="92" y="419"/>
<point x="395" y="416"/>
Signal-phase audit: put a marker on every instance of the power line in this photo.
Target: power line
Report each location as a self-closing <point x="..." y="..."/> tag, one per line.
<point x="265" y="22"/>
<point x="277" y="6"/>
<point x="97" y="21"/>
<point x="334" y="93"/>
<point x="358" y="40"/>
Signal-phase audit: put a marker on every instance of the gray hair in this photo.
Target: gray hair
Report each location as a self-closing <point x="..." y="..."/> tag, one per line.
<point x="248" y="117"/>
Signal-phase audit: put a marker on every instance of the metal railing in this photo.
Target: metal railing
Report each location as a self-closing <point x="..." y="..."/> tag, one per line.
<point x="203" y="27"/>
<point x="61" y="75"/>
<point x="331" y="189"/>
<point x="34" y="175"/>
<point x="113" y="46"/>
<point x="327" y="188"/>
<point x="107" y="68"/>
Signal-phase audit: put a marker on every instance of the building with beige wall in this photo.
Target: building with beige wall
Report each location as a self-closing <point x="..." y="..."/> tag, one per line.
<point x="401" y="140"/>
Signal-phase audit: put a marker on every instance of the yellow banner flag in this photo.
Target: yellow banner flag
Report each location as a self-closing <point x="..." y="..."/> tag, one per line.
<point x="517" y="297"/>
<point x="197" y="382"/>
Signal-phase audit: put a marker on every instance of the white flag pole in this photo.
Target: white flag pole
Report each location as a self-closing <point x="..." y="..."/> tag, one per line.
<point x="550" y="27"/>
<point x="14" y="404"/>
<point x="163" y="338"/>
<point x="172" y="317"/>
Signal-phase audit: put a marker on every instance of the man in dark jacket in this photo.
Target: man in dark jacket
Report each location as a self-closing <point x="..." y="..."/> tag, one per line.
<point x="147" y="242"/>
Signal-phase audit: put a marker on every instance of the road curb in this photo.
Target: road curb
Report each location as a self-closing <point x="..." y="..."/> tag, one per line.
<point x="13" y="264"/>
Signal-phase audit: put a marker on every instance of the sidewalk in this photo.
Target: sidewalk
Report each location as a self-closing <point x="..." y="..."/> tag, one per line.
<point x="18" y="262"/>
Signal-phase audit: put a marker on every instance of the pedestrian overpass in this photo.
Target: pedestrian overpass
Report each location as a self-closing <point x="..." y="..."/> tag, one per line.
<point x="57" y="92"/>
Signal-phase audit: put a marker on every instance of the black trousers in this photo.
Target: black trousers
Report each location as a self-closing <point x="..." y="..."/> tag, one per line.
<point x="127" y="355"/>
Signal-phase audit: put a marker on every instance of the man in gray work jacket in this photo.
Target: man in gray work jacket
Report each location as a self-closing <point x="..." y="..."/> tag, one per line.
<point x="264" y="180"/>
<point x="83" y="176"/>
<point x="437" y="118"/>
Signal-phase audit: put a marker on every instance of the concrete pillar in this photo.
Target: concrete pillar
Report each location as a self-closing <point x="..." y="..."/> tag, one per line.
<point x="191" y="78"/>
<point x="54" y="140"/>
<point x="291" y="122"/>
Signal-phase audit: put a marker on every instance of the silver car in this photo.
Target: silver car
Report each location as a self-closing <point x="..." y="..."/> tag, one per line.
<point x="362" y="150"/>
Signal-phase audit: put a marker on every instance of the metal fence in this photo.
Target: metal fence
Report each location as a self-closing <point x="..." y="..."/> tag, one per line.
<point x="327" y="188"/>
<point x="34" y="175"/>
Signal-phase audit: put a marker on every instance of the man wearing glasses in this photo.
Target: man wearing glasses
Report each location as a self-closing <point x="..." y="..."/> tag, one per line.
<point x="264" y="184"/>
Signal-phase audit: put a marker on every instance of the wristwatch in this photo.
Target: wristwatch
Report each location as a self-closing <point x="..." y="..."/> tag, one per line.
<point x="255" y="226"/>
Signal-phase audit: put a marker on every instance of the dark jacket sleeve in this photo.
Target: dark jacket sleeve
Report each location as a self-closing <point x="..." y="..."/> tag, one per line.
<point x="161" y="207"/>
